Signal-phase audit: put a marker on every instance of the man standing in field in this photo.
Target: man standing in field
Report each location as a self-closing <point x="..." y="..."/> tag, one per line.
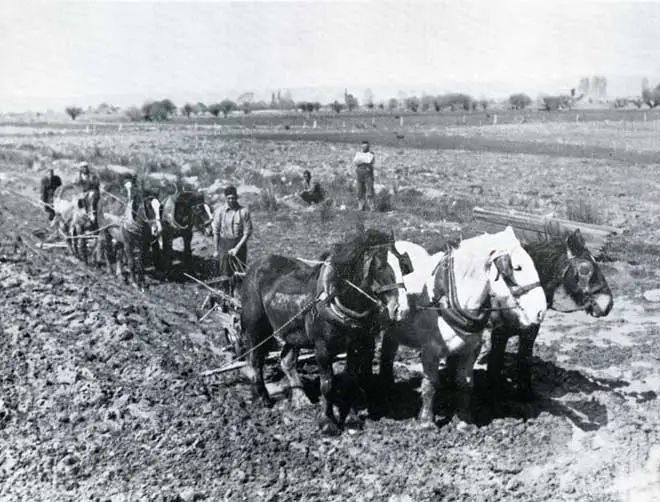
<point x="232" y="227"/>
<point x="49" y="184"/>
<point x="364" y="169"/>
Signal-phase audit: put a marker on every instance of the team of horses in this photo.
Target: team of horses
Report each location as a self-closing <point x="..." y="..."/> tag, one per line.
<point x="440" y="304"/>
<point x="143" y="231"/>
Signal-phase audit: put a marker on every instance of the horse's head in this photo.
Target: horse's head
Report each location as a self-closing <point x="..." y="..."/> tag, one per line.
<point x="201" y="214"/>
<point x="153" y="211"/>
<point x="366" y="279"/>
<point x="582" y="285"/>
<point x="514" y="287"/>
<point x="383" y="271"/>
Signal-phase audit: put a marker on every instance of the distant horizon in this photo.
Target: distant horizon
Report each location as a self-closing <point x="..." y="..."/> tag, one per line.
<point x="623" y="87"/>
<point x="61" y="53"/>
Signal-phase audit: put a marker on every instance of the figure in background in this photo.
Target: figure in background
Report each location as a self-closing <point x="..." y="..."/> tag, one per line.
<point x="49" y="184"/>
<point x="364" y="170"/>
<point x="312" y="193"/>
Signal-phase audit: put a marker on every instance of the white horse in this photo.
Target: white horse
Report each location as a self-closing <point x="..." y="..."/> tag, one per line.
<point x="451" y="296"/>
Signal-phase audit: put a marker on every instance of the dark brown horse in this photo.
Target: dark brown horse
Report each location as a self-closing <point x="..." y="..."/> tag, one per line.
<point x="181" y="214"/>
<point x="572" y="281"/>
<point x="284" y="298"/>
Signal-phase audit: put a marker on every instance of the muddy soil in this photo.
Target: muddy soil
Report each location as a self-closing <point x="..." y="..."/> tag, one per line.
<point x="102" y="398"/>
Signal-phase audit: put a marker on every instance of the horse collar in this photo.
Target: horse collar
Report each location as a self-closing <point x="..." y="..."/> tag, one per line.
<point x="445" y="297"/>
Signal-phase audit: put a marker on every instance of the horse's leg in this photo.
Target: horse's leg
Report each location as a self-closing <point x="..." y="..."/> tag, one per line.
<point x="358" y="355"/>
<point x="465" y="380"/>
<point x="388" y="351"/>
<point x="83" y="248"/>
<point x="105" y="247"/>
<point x="166" y="254"/>
<point x="187" y="249"/>
<point x="143" y="252"/>
<point x="525" y="352"/>
<point x="120" y="258"/>
<point x="328" y="422"/>
<point x="499" y="337"/>
<point x="431" y="353"/>
<point x="288" y="361"/>
<point x="256" y="329"/>
<point x="129" y="245"/>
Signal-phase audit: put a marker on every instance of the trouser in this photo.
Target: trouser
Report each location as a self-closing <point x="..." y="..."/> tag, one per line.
<point x="365" y="187"/>
<point x="50" y="211"/>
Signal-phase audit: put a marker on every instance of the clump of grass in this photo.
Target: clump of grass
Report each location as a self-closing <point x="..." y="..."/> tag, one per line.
<point x="267" y="200"/>
<point x="384" y="201"/>
<point x="584" y="212"/>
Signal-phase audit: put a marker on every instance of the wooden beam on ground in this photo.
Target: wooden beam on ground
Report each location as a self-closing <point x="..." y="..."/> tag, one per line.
<point x="596" y="236"/>
<point x="271" y="357"/>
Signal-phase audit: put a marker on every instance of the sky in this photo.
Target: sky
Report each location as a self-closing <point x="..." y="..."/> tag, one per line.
<point x="55" y="53"/>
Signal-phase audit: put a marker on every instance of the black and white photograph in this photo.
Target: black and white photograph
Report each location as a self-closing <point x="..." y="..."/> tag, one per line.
<point x="333" y="251"/>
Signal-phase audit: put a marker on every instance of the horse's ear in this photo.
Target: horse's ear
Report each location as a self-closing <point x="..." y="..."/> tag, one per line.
<point x="509" y="233"/>
<point x="575" y="243"/>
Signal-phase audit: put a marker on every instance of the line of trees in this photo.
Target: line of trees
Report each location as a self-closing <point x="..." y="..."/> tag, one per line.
<point x="165" y="109"/>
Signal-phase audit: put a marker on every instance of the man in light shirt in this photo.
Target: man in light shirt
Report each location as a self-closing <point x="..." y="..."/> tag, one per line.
<point x="232" y="227"/>
<point x="364" y="168"/>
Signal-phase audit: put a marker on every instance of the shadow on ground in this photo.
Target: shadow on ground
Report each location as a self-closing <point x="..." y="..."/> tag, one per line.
<point x="559" y="392"/>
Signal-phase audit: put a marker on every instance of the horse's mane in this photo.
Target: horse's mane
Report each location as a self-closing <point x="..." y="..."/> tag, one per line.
<point x="552" y="231"/>
<point x="346" y="255"/>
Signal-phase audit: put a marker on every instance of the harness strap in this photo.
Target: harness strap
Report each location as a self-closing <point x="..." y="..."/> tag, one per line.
<point x="388" y="287"/>
<point x="521" y="290"/>
<point x="446" y="300"/>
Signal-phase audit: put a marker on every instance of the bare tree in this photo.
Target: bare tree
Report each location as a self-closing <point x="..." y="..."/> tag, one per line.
<point x="73" y="111"/>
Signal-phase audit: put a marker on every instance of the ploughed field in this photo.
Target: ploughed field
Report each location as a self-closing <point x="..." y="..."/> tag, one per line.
<point x="101" y="392"/>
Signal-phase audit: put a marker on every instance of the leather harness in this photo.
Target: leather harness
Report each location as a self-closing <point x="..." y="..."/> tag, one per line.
<point x="445" y="298"/>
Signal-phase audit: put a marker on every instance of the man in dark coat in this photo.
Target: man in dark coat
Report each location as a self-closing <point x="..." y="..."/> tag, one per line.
<point x="49" y="184"/>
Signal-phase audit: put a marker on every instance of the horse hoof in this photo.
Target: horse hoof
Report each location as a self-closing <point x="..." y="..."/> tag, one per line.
<point x="465" y="427"/>
<point x="329" y="428"/>
<point x="426" y="417"/>
<point x="354" y="423"/>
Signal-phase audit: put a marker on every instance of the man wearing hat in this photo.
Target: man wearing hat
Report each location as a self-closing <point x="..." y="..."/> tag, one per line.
<point x="232" y="227"/>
